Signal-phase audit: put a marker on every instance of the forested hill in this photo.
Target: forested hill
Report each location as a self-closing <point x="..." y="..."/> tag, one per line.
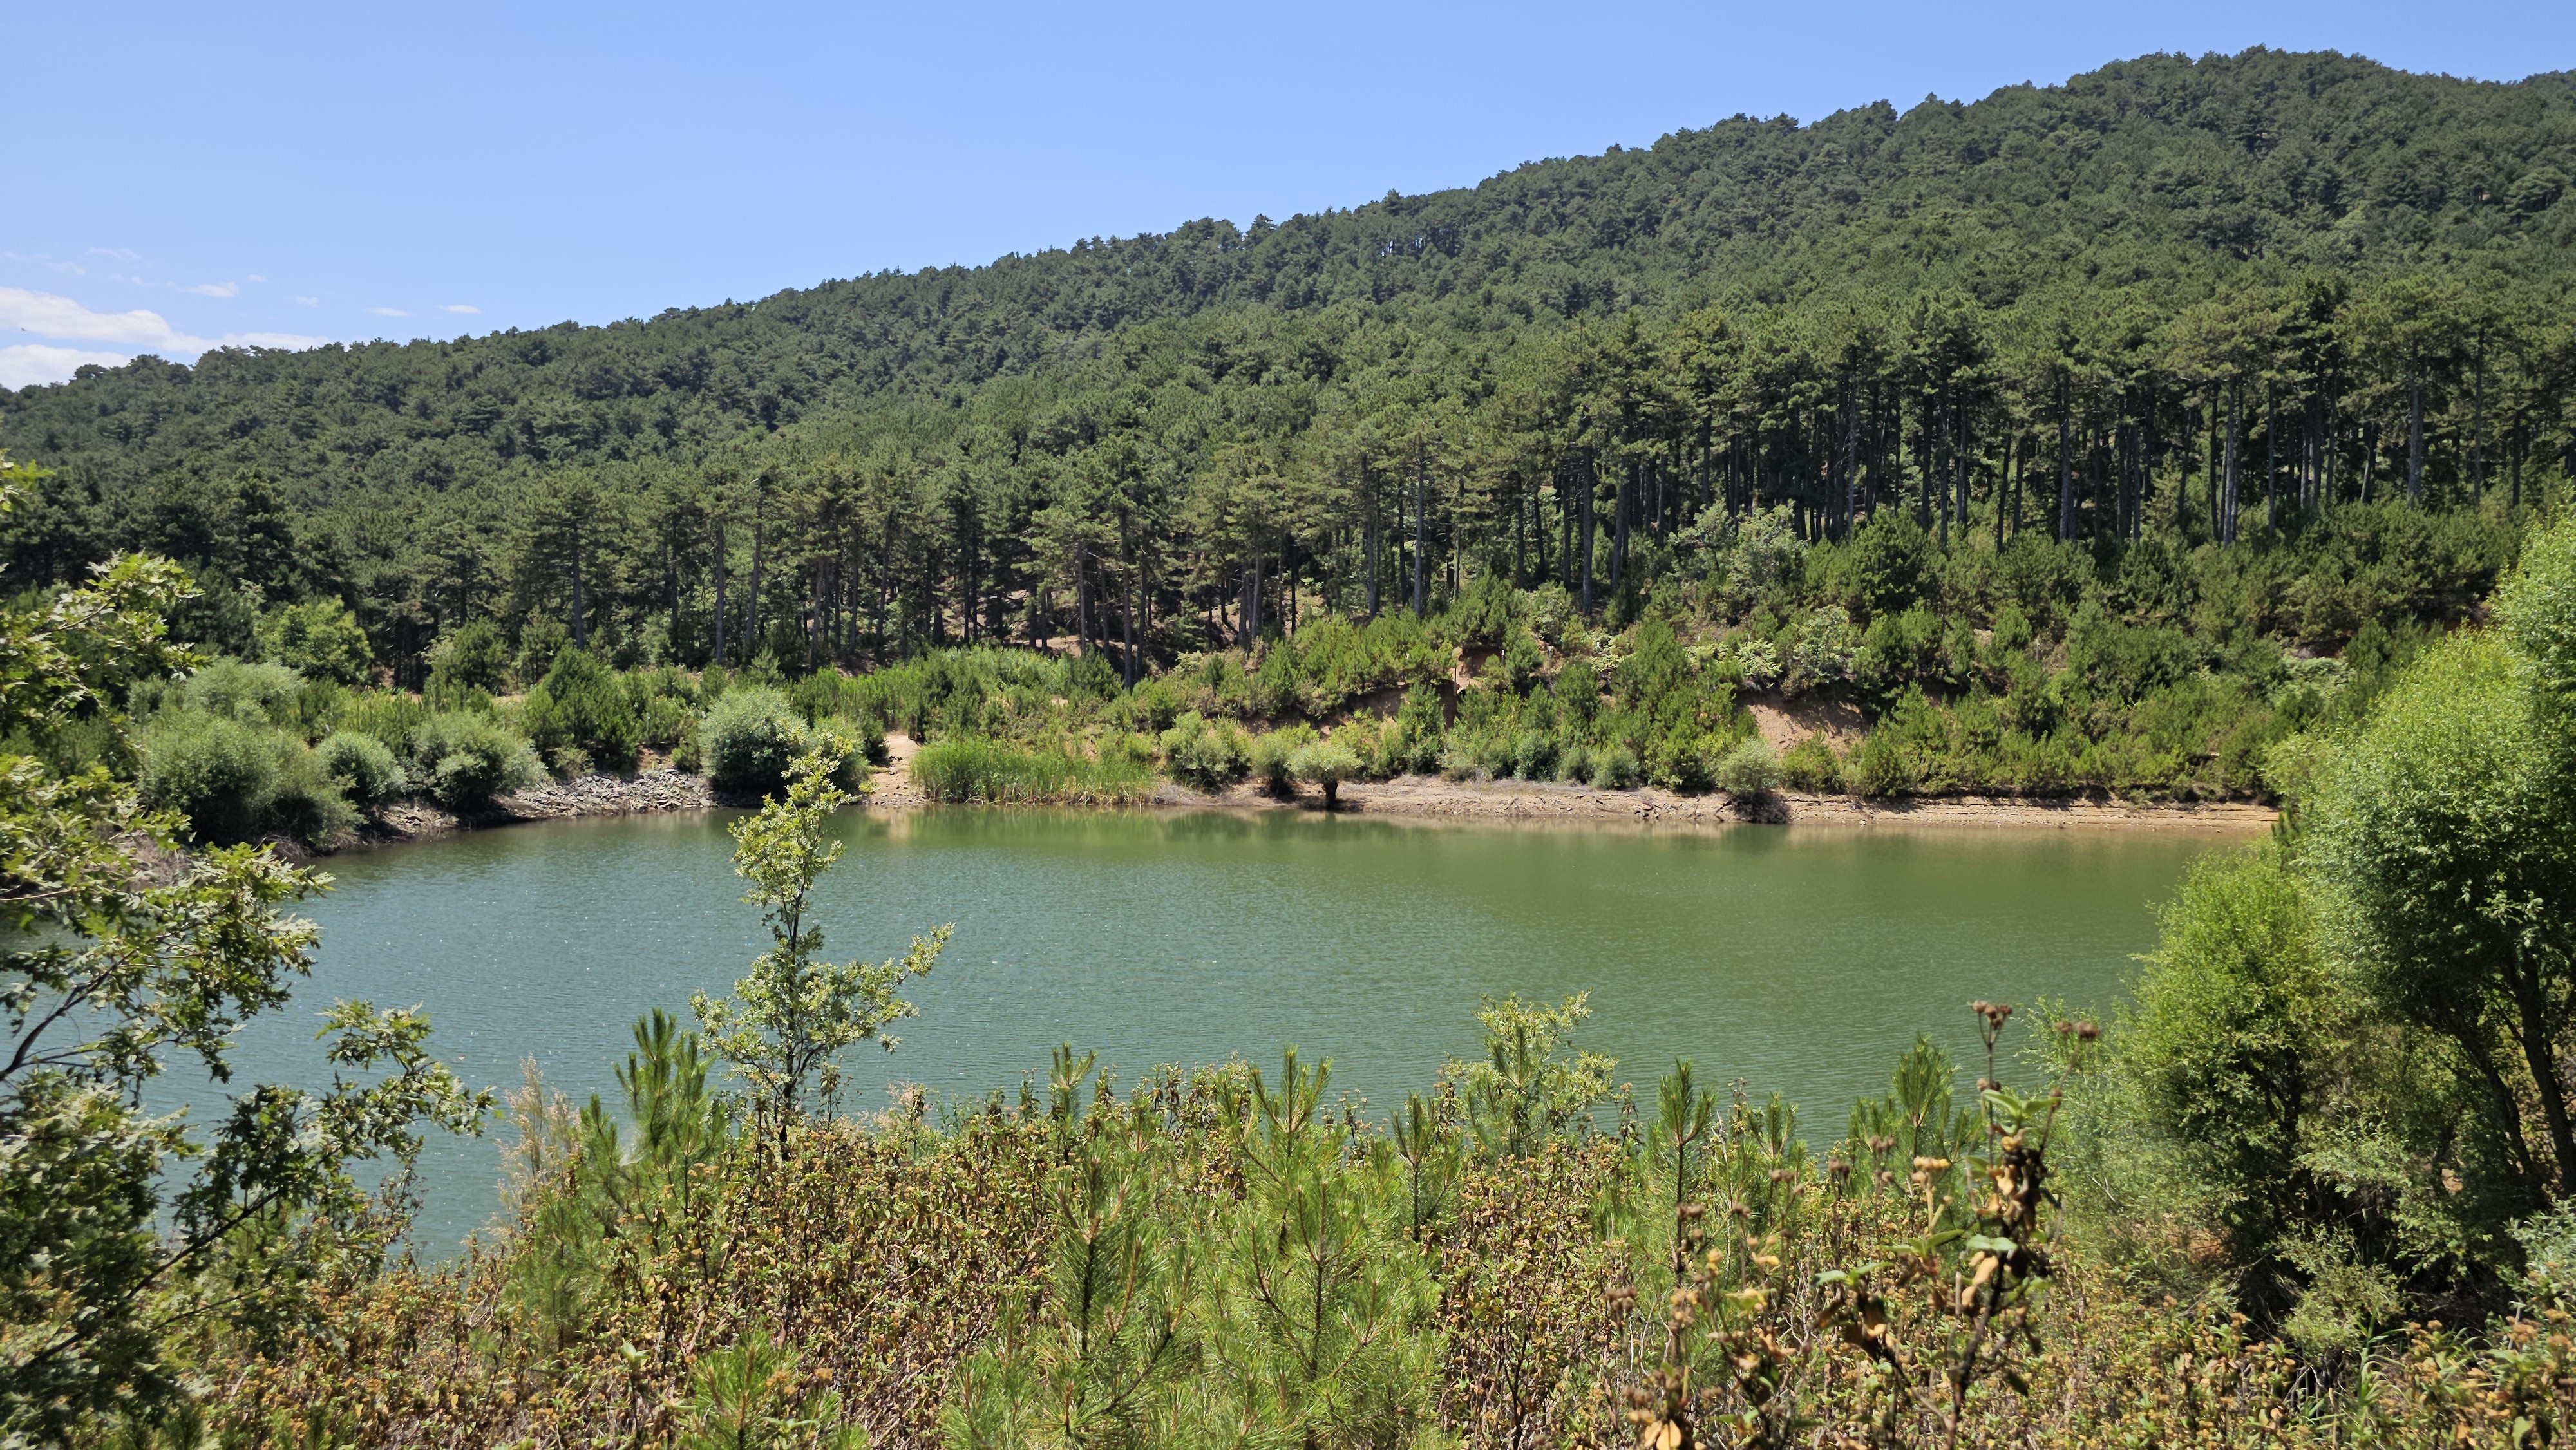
<point x="2069" y="223"/>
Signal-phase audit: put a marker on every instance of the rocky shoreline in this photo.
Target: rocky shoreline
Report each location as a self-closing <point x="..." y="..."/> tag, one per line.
<point x="661" y="789"/>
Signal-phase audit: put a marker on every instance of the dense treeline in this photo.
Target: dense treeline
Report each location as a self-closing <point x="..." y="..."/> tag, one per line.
<point x="2038" y="670"/>
<point x="2192" y="304"/>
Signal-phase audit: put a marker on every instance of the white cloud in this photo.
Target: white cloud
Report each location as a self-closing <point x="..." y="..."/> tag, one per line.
<point x="119" y="253"/>
<point x="47" y="315"/>
<point x="30" y="363"/>
<point x="388" y="312"/>
<point x="75" y="268"/>
<point x="215" y="289"/>
<point x="255" y="277"/>
<point x="310" y="301"/>
<point x="466" y="309"/>
<point x="64" y="320"/>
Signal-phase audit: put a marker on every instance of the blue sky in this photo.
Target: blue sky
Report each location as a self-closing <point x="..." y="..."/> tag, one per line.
<point x="183" y="176"/>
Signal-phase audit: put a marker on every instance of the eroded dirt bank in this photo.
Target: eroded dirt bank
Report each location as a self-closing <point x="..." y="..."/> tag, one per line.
<point x="1542" y="802"/>
<point x="1414" y="796"/>
<point x="1575" y="804"/>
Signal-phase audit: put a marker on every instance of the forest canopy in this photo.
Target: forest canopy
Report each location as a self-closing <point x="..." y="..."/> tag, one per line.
<point x="2201" y="301"/>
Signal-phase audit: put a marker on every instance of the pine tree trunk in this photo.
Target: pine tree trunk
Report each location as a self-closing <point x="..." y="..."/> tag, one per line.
<point x="2065" y="465"/>
<point x="2415" y="442"/>
<point x="718" y="657"/>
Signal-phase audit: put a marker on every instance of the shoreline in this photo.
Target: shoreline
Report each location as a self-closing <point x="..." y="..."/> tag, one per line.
<point x="1415" y="797"/>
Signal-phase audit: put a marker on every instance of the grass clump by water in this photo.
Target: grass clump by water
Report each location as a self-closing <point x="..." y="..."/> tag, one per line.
<point x="1000" y="772"/>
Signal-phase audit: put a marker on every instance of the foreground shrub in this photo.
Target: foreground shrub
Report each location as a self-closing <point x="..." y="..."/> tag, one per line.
<point x="750" y="736"/>
<point x="1000" y="772"/>
<point x="1218" y="1258"/>
<point x="462" y="760"/>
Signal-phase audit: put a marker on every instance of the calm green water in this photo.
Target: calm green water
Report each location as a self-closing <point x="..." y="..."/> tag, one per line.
<point x="1802" y="960"/>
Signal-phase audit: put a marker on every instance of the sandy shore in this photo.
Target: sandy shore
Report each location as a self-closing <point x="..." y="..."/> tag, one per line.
<point x="1547" y="802"/>
<point x="1412" y="796"/>
<point x="1537" y="803"/>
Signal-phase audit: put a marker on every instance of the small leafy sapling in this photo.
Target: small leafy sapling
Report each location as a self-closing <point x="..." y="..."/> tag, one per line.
<point x="788" y="1022"/>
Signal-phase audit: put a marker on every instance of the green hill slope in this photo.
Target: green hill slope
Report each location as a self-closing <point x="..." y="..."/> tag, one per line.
<point x="958" y="436"/>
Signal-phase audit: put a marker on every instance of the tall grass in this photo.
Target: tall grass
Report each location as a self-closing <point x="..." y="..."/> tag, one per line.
<point x="997" y="771"/>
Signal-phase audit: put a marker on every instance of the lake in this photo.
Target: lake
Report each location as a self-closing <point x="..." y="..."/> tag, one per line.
<point x="1801" y="959"/>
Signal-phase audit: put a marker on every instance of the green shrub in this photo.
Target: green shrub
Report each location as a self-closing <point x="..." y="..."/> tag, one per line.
<point x="1883" y="766"/>
<point x="1749" y="769"/>
<point x="1270" y="754"/>
<point x="320" y="638"/>
<point x="388" y="716"/>
<point x="255" y="693"/>
<point x="965" y="769"/>
<point x="749" y="738"/>
<point x="1615" y="767"/>
<point x="1810" y="765"/>
<point x="1327" y="763"/>
<point x="367" y="772"/>
<point x="663" y="722"/>
<point x="1682" y="764"/>
<point x="467" y="666"/>
<point x="1578" y="691"/>
<point x="237" y="781"/>
<point x="1152" y="706"/>
<point x="1204" y="754"/>
<point x="867" y="732"/>
<point x="218" y="771"/>
<point x="306" y="802"/>
<point x="541" y="641"/>
<point x="860" y="763"/>
<point x="582" y="705"/>
<point x="463" y="759"/>
<point x="1574" y="762"/>
<point x="1534" y="755"/>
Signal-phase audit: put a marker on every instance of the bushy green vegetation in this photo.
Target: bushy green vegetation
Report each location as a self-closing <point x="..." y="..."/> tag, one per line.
<point x="2341" y="1099"/>
<point x="2309" y="1192"/>
<point x="1000" y="772"/>
<point x="2043" y="670"/>
<point x="125" y="1228"/>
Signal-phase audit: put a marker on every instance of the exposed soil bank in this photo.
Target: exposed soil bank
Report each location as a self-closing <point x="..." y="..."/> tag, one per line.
<point x="1544" y="802"/>
<point x="1529" y="802"/>
<point x="1534" y="802"/>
